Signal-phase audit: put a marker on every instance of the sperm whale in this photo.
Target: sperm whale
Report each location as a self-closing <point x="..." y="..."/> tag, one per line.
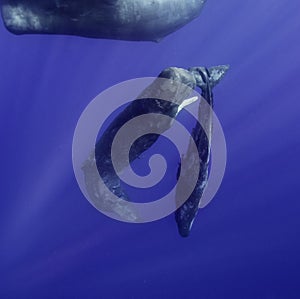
<point x="206" y="79"/>
<point x="178" y="88"/>
<point x="134" y="20"/>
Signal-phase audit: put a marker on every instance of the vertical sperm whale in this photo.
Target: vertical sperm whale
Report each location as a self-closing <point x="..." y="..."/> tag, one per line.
<point x="135" y="20"/>
<point x="178" y="88"/>
<point x="206" y="79"/>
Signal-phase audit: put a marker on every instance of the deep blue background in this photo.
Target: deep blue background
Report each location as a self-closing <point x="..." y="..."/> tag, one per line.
<point x="245" y="244"/>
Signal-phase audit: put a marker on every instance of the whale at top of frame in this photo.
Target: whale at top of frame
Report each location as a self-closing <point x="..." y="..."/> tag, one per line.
<point x="134" y="20"/>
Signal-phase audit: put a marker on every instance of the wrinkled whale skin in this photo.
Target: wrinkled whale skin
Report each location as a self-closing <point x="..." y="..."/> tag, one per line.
<point x="179" y="87"/>
<point x="135" y="20"/>
<point x="206" y="79"/>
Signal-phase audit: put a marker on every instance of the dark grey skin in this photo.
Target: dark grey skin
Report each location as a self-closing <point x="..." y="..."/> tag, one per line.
<point x="134" y="20"/>
<point x="186" y="213"/>
<point x="178" y="88"/>
<point x="148" y="103"/>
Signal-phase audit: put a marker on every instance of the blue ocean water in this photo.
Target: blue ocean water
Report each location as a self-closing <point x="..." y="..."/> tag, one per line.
<point x="244" y="244"/>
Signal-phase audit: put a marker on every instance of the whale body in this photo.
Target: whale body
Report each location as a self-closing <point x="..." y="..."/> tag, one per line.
<point x="135" y="20"/>
<point x="206" y="79"/>
<point x="179" y="87"/>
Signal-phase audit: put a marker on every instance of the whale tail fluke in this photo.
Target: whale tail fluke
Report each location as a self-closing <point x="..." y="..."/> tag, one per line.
<point x="216" y="73"/>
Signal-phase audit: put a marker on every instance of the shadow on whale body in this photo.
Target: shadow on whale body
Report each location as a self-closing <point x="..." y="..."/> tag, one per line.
<point x="179" y="87"/>
<point x="135" y="20"/>
<point x="206" y="80"/>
